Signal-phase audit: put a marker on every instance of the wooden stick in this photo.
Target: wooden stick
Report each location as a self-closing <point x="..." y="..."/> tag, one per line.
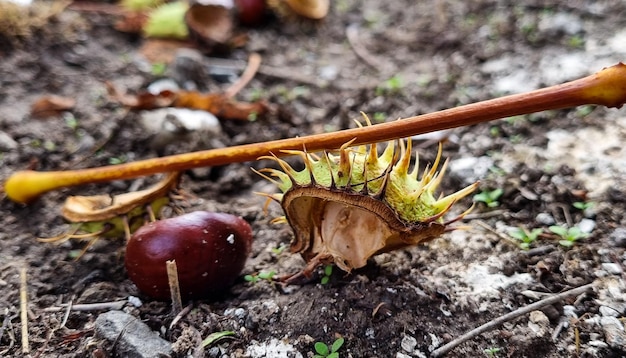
<point x="507" y="317"/>
<point x="24" y="309"/>
<point x="607" y="88"/>
<point x="172" y="279"/>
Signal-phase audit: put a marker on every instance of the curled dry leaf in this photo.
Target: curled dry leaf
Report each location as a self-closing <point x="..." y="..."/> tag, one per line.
<point x="211" y="25"/>
<point x="105" y="216"/>
<point x="51" y="105"/>
<point x="221" y="105"/>
<point x="348" y="206"/>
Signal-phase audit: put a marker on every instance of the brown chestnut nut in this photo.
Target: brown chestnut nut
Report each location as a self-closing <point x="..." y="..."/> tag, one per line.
<point x="210" y="250"/>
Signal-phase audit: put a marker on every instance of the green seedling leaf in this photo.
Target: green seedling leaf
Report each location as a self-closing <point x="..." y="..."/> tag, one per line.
<point x="336" y="345"/>
<point x="328" y="270"/>
<point x="214" y="337"/>
<point x="322" y="349"/>
<point x="266" y="275"/>
<point x="559" y="230"/>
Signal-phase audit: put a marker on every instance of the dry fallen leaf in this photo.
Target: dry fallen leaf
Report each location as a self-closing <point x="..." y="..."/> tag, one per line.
<point x="218" y="104"/>
<point x="50" y="106"/>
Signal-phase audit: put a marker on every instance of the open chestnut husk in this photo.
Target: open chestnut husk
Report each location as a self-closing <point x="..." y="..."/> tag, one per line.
<point x="210" y="250"/>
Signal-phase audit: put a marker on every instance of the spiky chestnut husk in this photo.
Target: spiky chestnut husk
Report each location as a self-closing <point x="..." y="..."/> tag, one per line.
<point x="348" y="206"/>
<point x="168" y="21"/>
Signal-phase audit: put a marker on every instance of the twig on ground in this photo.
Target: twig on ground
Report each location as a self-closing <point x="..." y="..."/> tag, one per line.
<point x="507" y="317"/>
<point x="352" y="34"/>
<point x="502" y="236"/>
<point x="254" y="62"/>
<point x="67" y="313"/>
<point x="115" y="305"/>
<point x="172" y="280"/>
<point x="538" y="251"/>
<point x="485" y="215"/>
<point x="24" y="310"/>
<point x="180" y="315"/>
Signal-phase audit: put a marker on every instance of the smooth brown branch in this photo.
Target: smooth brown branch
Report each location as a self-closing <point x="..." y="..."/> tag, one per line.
<point x="607" y="88"/>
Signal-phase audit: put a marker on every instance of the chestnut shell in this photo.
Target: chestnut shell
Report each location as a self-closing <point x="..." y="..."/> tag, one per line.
<point x="210" y="250"/>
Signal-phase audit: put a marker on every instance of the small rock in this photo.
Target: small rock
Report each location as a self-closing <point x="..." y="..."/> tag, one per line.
<point x="618" y="237"/>
<point x="328" y="72"/>
<point x="7" y="142"/>
<point x="545" y="219"/>
<point x="598" y="344"/>
<point x="133" y="338"/>
<point x="408" y="343"/>
<point x="608" y="311"/>
<point x="272" y="348"/>
<point x="614" y="334"/>
<point x="402" y="355"/>
<point x="470" y="169"/>
<point x="171" y="125"/>
<point x="164" y="84"/>
<point x="613" y="269"/>
<point x="539" y="323"/>
<point x="586" y="225"/>
<point x="560" y="23"/>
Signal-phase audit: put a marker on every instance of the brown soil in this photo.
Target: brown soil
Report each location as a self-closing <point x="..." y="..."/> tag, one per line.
<point x="443" y="53"/>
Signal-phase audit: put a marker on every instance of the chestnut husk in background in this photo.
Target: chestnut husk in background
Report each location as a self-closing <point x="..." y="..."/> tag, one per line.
<point x="210" y="250"/>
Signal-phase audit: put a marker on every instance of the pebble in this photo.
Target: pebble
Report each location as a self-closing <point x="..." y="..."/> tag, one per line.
<point x="612" y="268"/>
<point x="470" y="169"/>
<point x="618" y="237"/>
<point x="539" y="323"/>
<point x="7" y="142"/>
<point x="614" y="334"/>
<point x="408" y="343"/>
<point x="133" y="338"/>
<point x="586" y="225"/>
<point x="560" y="22"/>
<point x="545" y="219"/>
<point x="606" y="311"/>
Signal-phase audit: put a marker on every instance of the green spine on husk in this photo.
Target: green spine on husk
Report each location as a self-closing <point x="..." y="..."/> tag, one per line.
<point x="360" y="170"/>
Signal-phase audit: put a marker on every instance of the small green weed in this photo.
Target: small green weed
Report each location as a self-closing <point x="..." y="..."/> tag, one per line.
<point x="323" y="351"/>
<point x="568" y="236"/>
<point x="214" y="337"/>
<point x="328" y="270"/>
<point x="489" y="197"/>
<point x="526" y="237"/>
<point x="492" y="351"/>
<point x="263" y="275"/>
<point x="278" y="250"/>
<point x="582" y="205"/>
<point x="392" y="85"/>
<point x="158" y="69"/>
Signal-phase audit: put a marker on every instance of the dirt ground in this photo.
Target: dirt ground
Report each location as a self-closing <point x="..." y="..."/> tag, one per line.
<point x="419" y="57"/>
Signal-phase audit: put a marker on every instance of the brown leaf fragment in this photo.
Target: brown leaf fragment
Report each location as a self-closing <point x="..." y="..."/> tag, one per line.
<point x="220" y="105"/>
<point x="50" y="106"/>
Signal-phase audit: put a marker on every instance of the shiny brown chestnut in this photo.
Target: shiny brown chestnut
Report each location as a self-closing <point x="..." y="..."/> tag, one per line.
<point x="210" y="250"/>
